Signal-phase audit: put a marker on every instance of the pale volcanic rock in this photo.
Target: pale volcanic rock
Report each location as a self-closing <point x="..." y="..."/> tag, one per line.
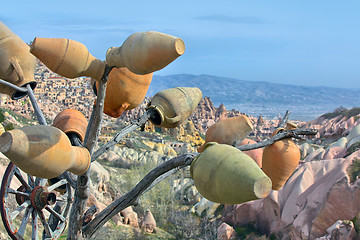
<point x="341" y="142"/>
<point x="225" y="232"/>
<point x="315" y="155"/>
<point x="334" y="152"/>
<point x="312" y="200"/>
<point x="342" y="230"/>
<point x="221" y="112"/>
<point x="148" y="225"/>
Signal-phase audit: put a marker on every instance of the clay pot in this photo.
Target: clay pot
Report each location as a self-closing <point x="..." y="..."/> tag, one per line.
<point x="67" y="58"/>
<point x="125" y="90"/>
<point x="228" y="131"/>
<point x="172" y="106"/>
<point x="146" y="52"/>
<point x="224" y="174"/>
<point x="280" y="160"/>
<point x="71" y="121"/>
<point x="17" y="65"/>
<point x="255" y="154"/>
<point x="43" y="151"/>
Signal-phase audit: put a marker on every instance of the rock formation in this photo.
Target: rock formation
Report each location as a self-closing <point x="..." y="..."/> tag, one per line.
<point x="317" y="195"/>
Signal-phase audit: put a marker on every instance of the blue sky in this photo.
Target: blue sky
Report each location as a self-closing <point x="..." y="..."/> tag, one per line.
<point x="306" y="42"/>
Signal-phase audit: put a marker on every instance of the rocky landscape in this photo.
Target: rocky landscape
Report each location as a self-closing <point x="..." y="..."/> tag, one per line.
<point x="319" y="201"/>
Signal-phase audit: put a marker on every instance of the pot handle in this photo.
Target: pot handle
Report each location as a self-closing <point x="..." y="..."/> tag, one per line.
<point x="15" y="63"/>
<point x="173" y="119"/>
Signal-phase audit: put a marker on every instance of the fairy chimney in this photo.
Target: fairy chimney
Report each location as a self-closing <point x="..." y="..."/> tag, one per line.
<point x="149" y="224"/>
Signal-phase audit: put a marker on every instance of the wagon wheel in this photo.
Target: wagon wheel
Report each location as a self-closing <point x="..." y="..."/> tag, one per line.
<point x="23" y="208"/>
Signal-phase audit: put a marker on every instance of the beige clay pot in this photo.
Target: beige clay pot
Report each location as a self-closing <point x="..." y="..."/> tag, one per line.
<point x="67" y="57"/>
<point x="17" y="64"/>
<point x="43" y="151"/>
<point x="224" y="174"/>
<point x="228" y="131"/>
<point x="172" y="106"/>
<point x="146" y="52"/>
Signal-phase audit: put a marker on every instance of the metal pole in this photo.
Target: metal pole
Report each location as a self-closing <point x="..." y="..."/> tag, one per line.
<point x="37" y="110"/>
<point x="20" y="89"/>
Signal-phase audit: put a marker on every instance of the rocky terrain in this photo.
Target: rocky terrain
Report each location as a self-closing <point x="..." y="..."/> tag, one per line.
<point x="319" y="201"/>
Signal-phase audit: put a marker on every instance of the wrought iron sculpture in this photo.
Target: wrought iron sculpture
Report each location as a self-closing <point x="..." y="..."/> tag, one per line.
<point x="149" y="51"/>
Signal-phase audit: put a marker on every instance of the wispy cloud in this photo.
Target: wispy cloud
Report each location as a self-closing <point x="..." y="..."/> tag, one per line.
<point x="231" y="19"/>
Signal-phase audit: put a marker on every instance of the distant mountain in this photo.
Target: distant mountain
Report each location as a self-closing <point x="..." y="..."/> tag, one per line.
<point x="265" y="98"/>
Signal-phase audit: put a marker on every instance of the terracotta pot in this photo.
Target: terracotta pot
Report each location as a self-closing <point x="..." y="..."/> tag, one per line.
<point x="280" y="160"/>
<point x="146" y="52"/>
<point x="224" y="174"/>
<point x="67" y="58"/>
<point x="172" y="106"/>
<point x="255" y="154"/>
<point x="71" y="121"/>
<point x="125" y="90"/>
<point x="228" y="131"/>
<point x="17" y="65"/>
<point x="43" y="151"/>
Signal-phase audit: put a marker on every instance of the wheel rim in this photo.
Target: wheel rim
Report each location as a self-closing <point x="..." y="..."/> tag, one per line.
<point x="20" y="209"/>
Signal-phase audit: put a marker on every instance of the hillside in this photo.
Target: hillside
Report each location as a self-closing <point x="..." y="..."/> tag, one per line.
<point x="267" y="99"/>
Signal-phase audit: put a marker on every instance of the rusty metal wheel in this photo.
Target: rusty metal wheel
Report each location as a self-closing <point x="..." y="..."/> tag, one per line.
<point x="23" y="207"/>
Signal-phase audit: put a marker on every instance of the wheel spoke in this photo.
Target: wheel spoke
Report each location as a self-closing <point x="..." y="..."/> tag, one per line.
<point x="22" y="180"/>
<point x="56" y="185"/>
<point x="34" y="228"/>
<point x="40" y="181"/>
<point x="24" y="221"/>
<point x="18" y="193"/>
<point x="56" y="214"/>
<point x="14" y="214"/>
<point x="31" y="181"/>
<point x="45" y="224"/>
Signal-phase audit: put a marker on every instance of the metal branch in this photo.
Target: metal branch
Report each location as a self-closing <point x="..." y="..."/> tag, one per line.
<point x="91" y="137"/>
<point x="116" y="139"/>
<point x="20" y="89"/>
<point x="37" y="110"/>
<point x="164" y="170"/>
<point x="283" y="134"/>
<point x="131" y="197"/>
<point x="285" y="119"/>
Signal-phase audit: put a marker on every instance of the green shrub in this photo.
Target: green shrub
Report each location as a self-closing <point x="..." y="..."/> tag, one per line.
<point x="354" y="170"/>
<point x="2" y="117"/>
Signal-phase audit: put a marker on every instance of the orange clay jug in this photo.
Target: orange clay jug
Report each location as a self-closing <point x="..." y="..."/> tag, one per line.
<point x="224" y="174"/>
<point x="43" y="151"/>
<point x="67" y="58"/>
<point x="172" y="106"/>
<point x="71" y="121"/>
<point x="280" y="160"/>
<point x="228" y="131"/>
<point x="17" y="64"/>
<point x="146" y="52"/>
<point x="125" y="90"/>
